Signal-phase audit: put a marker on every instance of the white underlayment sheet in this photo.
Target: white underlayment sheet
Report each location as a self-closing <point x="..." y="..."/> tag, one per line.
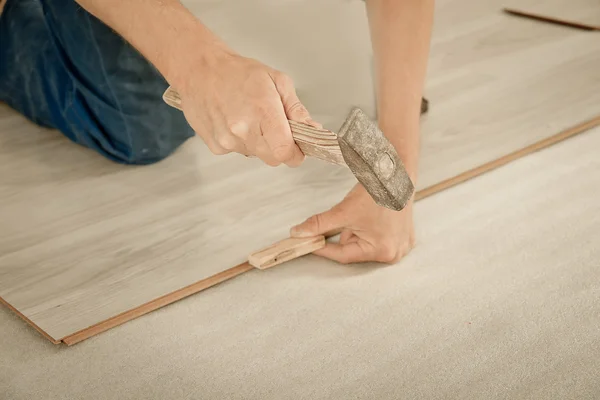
<point x="500" y="299"/>
<point x="82" y="239"/>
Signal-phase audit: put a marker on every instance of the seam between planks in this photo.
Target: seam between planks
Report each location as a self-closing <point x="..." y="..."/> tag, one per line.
<point x="515" y="155"/>
<point x="552" y="20"/>
<point x="245" y="267"/>
<point x="155" y="304"/>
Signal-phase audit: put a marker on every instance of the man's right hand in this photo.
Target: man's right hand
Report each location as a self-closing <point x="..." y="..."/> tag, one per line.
<point x="234" y="103"/>
<point x="237" y="104"/>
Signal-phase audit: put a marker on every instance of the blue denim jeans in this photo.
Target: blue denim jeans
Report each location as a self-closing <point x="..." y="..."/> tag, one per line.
<point x="63" y="68"/>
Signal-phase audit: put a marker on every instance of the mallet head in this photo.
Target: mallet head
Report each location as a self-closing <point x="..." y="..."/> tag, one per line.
<point x="374" y="161"/>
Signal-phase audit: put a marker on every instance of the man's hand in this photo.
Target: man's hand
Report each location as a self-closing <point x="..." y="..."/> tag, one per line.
<point x="369" y="232"/>
<point x="234" y="103"/>
<point x="238" y="104"/>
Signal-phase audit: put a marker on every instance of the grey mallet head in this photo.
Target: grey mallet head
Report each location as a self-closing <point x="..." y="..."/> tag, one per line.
<point x="374" y="161"/>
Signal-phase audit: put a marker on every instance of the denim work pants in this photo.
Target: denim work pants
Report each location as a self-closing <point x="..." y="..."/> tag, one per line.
<point x="63" y="68"/>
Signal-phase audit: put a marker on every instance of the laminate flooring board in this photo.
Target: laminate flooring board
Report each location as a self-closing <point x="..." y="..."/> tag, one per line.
<point x="92" y="247"/>
<point x="500" y="299"/>
<point x="233" y="272"/>
<point x="585" y="13"/>
<point x="496" y="83"/>
<point x="83" y="240"/>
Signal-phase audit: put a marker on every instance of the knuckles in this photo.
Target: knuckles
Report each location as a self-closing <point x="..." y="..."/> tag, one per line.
<point x="216" y="150"/>
<point x="240" y="129"/>
<point x="227" y="142"/>
<point x="391" y="253"/>
<point x="283" y="152"/>
<point x="387" y="252"/>
<point x="212" y="143"/>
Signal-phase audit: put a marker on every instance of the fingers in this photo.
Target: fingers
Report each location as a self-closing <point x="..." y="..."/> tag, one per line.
<point x="225" y="140"/>
<point x="355" y="250"/>
<point x="248" y="139"/>
<point x="261" y="150"/>
<point x="212" y="143"/>
<point x="294" y="109"/>
<point x="319" y="224"/>
<point x="347" y="236"/>
<point x="251" y="114"/>
<point x="346" y="253"/>
<point x="276" y="131"/>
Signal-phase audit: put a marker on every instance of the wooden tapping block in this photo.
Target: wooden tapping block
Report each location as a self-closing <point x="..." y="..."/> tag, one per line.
<point x="360" y="145"/>
<point x="285" y="250"/>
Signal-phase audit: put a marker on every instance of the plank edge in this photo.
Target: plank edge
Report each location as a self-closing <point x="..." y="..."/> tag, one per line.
<point x="30" y="322"/>
<point x="552" y="20"/>
<point x="157" y="303"/>
<point x="515" y="155"/>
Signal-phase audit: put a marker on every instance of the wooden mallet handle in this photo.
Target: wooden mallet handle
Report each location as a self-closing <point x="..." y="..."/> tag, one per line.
<point x="314" y="142"/>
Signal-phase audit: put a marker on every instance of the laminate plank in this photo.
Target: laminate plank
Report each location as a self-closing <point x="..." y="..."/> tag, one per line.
<point x="77" y="258"/>
<point x="238" y="270"/>
<point x="582" y="14"/>
<point x="83" y="240"/>
<point x="499" y="300"/>
<point x="491" y="165"/>
<point x="156" y="304"/>
<point x="37" y="328"/>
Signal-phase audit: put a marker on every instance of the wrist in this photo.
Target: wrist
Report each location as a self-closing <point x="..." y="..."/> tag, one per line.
<point x="405" y="139"/>
<point x="200" y="50"/>
<point x="185" y="46"/>
<point x="187" y="68"/>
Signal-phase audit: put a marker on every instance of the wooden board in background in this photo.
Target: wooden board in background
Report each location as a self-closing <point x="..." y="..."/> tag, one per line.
<point x="581" y="14"/>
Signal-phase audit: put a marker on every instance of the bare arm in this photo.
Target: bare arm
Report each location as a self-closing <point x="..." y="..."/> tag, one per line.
<point x="164" y="31"/>
<point x="234" y="103"/>
<point x="400" y="33"/>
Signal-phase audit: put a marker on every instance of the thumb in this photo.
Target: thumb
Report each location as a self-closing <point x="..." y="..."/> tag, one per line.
<point x="294" y="109"/>
<point x="320" y="224"/>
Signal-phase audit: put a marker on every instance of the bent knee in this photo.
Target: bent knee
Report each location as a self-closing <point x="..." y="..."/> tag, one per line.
<point x="140" y="139"/>
<point x="153" y="145"/>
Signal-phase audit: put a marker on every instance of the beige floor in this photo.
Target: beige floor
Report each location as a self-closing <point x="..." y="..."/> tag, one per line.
<point x="500" y="300"/>
<point x="82" y="239"/>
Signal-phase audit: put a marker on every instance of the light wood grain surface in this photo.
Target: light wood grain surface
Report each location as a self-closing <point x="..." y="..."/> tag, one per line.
<point x="83" y="240"/>
<point x="499" y="300"/>
<point x="583" y="13"/>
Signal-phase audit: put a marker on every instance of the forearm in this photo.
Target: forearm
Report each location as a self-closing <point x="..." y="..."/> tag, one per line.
<point x="164" y="31"/>
<point x="400" y="34"/>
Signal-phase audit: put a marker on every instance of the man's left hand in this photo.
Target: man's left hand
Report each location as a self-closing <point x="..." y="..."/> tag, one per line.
<point x="369" y="232"/>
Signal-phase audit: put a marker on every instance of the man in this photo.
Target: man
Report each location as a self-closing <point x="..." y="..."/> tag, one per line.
<point x="96" y="70"/>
